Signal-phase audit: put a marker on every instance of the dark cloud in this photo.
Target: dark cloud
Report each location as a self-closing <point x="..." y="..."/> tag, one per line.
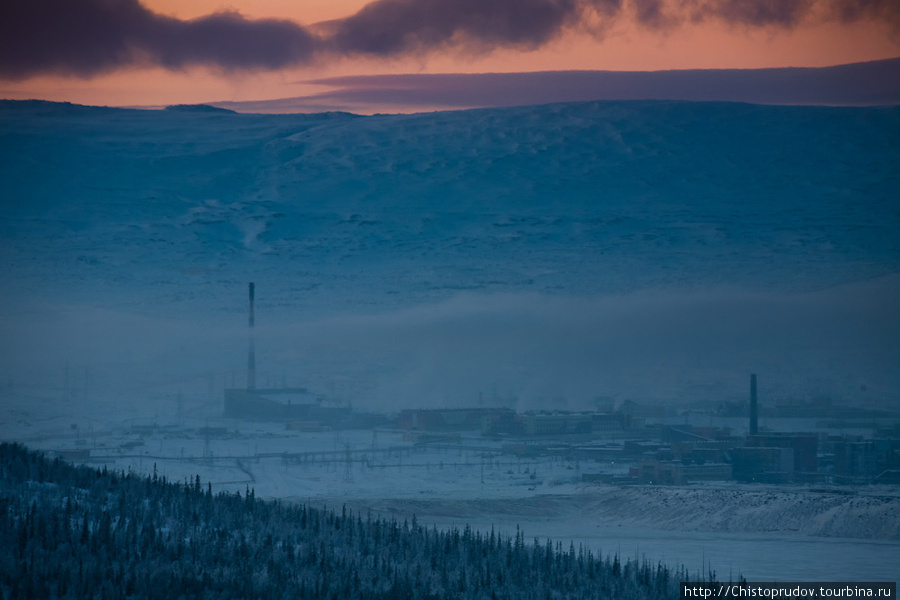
<point x="787" y="14"/>
<point x="651" y="13"/>
<point x="754" y="13"/>
<point x="848" y="11"/>
<point x="387" y="27"/>
<point x="88" y="37"/>
<point x="228" y="40"/>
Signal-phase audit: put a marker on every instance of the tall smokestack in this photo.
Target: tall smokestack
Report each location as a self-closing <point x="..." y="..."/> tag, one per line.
<point x="251" y="355"/>
<point x="754" y="428"/>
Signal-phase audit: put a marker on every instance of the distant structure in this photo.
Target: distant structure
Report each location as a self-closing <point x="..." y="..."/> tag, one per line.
<point x="270" y="404"/>
<point x="296" y="406"/>
<point x="754" y="409"/>
<point x="451" y="419"/>
<point x="251" y="352"/>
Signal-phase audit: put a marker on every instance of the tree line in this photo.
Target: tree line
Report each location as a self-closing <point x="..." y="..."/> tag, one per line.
<point x="77" y="532"/>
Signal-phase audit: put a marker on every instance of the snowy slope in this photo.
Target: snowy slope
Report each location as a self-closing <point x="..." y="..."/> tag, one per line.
<point x="871" y="83"/>
<point x="632" y="249"/>
<point x="540" y="256"/>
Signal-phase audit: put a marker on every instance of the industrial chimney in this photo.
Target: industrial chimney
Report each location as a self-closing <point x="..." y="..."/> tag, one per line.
<point x="754" y="409"/>
<point x="251" y="354"/>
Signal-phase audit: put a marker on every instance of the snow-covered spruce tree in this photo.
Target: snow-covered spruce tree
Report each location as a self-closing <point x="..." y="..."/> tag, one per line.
<point x="76" y="532"/>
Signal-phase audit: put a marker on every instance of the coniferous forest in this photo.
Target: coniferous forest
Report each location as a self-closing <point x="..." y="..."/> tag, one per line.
<point x="77" y="532"/>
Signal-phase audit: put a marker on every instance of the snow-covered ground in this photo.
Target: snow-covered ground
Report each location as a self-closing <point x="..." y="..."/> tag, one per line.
<point x="764" y="532"/>
<point x="612" y="520"/>
<point x="628" y="249"/>
<point x="534" y="256"/>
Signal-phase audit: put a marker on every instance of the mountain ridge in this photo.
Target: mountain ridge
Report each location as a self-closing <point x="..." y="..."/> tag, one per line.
<point x="872" y="83"/>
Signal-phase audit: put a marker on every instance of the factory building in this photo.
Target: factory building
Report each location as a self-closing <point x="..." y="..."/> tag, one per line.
<point x="301" y="409"/>
<point x="865" y="461"/>
<point x="763" y="464"/>
<point x="554" y="424"/>
<point x="805" y="447"/>
<point x="675" y="473"/>
<point x="276" y="404"/>
<point x="452" y="419"/>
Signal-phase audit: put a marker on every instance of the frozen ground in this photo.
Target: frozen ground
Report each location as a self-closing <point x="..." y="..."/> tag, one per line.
<point x="651" y="250"/>
<point x="612" y="519"/>
<point x="535" y="256"/>
<point x="764" y="532"/>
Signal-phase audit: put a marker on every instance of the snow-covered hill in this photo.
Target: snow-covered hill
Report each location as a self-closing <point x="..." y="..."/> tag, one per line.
<point x="774" y="533"/>
<point x="541" y="256"/>
<point x="552" y="253"/>
<point x="725" y="509"/>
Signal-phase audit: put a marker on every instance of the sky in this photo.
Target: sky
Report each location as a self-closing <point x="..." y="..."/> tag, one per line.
<point x="159" y="52"/>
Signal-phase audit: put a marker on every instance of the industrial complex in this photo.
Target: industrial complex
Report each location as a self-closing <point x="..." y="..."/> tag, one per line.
<point x="628" y="443"/>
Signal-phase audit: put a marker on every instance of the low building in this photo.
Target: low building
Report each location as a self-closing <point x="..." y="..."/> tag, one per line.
<point x="805" y="448"/>
<point x="269" y="404"/>
<point x="422" y="437"/>
<point x="501" y="423"/>
<point x="282" y="404"/>
<point x="706" y="472"/>
<point x="661" y="472"/>
<point x="450" y="419"/>
<point x="607" y="424"/>
<point x="855" y="462"/>
<point x="763" y="464"/>
<point x="557" y="423"/>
